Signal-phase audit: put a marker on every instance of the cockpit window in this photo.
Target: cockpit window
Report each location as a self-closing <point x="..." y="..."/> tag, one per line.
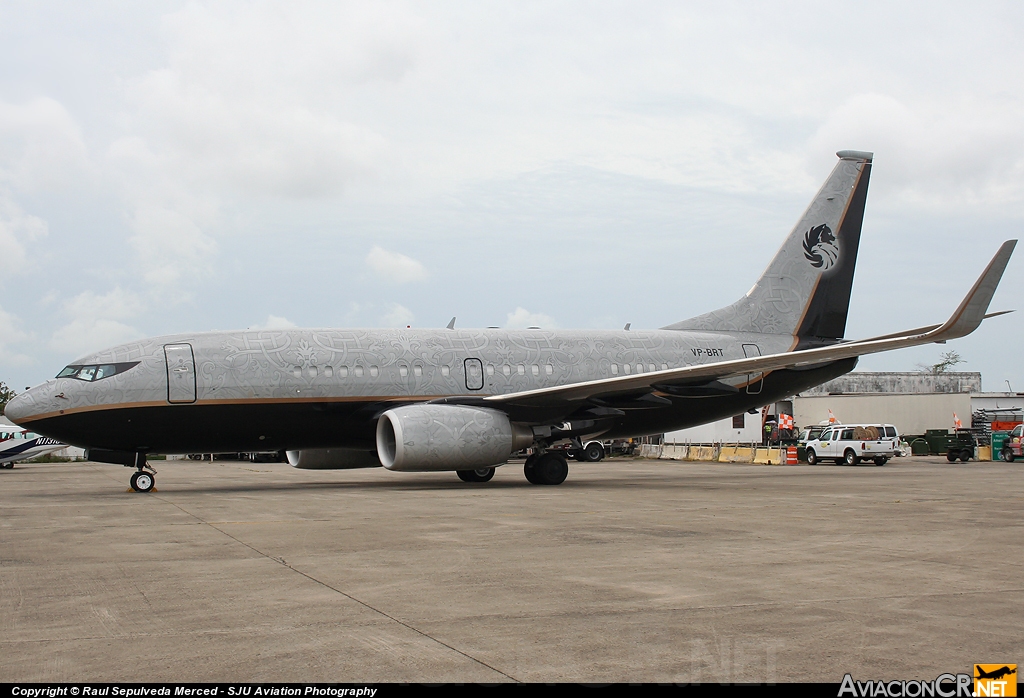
<point x="95" y="372"/>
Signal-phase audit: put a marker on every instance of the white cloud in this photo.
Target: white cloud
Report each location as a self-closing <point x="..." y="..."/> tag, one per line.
<point x="274" y="322"/>
<point x="11" y="334"/>
<point x="17" y="228"/>
<point x="41" y="146"/>
<point x="933" y="152"/>
<point x="395" y="267"/>
<point x="523" y="318"/>
<point x="97" y="322"/>
<point x="170" y="245"/>
<point x="397" y="316"/>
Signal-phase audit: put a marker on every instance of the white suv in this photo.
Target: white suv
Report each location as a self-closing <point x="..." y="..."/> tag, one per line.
<point x="853" y="443"/>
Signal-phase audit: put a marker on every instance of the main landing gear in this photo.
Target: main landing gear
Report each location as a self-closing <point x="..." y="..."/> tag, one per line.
<point x="144" y="478"/>
<point x="549" y="468"/>
<point x="479" y="475"/>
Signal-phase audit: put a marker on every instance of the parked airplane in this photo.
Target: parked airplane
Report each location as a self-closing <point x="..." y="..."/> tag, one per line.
<point x="17" y="443"/>
<point x="465" y="400"/>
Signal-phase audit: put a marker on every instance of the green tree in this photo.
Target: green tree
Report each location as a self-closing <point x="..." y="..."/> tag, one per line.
<point x="6" y="395"/>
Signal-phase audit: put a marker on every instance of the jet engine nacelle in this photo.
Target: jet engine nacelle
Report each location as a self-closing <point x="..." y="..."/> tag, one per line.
<point x="447" y="437"/>
<point x="332" y="459"/>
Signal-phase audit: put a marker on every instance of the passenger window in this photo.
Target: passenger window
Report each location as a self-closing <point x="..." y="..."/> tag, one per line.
<point x="312" y="372"/>
<point x="535" y="369"/>
<point x="403" y="371"/>
<point x="615" y="369"/>
<point x="507" y="370"/>
<point x="328" y="371"/>
<point x="664" y="367"/>
<point x="343" y="372"/>
<point x="417" y="371"/>
<point x="639" y="368"/>
<point x="359" y="371"/>
<point x="374" y="371"/>
<point x="297" y="371"/>
<point x="490" y="370"/>
<point x="548" y="370"/>
<point x="445" y="371"/>
<point x="625" y="369"/>
<point x="521" y="370"/>
<point x="847" y="435"/>
<point x="651" y="368"/>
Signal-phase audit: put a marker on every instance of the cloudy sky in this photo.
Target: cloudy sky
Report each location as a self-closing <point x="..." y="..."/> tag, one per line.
<point x="178" y="166"/>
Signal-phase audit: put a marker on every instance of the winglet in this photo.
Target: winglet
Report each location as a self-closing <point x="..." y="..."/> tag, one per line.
<point x="972" y="310"/>
<point x="451" y="325"/>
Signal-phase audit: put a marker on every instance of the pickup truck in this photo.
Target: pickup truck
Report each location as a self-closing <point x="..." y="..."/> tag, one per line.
<point x="1013" y="447"/>
<point x="853" y="443"/>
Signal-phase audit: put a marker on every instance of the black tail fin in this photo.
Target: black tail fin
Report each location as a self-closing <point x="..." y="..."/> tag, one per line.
<point x="805" y="291"/>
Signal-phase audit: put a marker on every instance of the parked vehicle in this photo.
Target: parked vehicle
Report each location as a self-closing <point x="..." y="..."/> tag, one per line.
<point x="1013" y="447"/>
<point x="853" y="443"/>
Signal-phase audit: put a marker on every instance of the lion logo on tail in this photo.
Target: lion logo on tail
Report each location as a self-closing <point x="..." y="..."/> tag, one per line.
<point x="821" y="247"/>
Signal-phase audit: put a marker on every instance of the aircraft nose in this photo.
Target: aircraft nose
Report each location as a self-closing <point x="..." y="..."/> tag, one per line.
<point x="24" y="406"/>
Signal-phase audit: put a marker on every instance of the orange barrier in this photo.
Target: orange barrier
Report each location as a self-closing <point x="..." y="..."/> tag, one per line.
<point x="791" y="455"/>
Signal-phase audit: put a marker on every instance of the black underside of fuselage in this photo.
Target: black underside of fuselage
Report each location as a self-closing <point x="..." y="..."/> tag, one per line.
<point x="275" y="426"/>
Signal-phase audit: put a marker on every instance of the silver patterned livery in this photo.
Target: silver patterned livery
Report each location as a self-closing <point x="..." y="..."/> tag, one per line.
<point x="465" y="400"/>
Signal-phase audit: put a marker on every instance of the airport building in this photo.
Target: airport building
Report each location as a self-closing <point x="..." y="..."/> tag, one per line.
<point x="913" y="402"/>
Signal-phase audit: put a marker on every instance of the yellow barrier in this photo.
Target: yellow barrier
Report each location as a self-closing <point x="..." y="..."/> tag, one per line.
<point x="736" y="454"/>
<point x="768" y="456"/>
<point x="984" y="453"/>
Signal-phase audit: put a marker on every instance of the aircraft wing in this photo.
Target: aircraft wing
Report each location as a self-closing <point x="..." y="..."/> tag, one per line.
<point x="963" y="321"/>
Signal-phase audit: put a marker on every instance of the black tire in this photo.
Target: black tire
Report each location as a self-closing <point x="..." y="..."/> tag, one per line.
<point x="951" y="456"/>
<point x="966" y="455"/>
<point x="578" y="455"/>
<point x="550" y="469"/>
<point x="593" y="453"/>
<point x="812" y="457"/>
<point x="1007" y="455"/>
<point x="528" y="469"/>
<point x="479" y="475"/>
<point x="142" y="481"/>
<point x="9" y="466"/>
<point x="881" y="460"/>
<point x="850" y="458"/>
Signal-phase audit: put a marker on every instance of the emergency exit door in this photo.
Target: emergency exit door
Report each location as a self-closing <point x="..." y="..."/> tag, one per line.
<point x="181" y="373"/>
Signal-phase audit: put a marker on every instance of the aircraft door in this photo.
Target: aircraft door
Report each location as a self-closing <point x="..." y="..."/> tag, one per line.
<point x="474" y="374"/>
<point x="181" y="373"/>
<point x="754" y="380"/>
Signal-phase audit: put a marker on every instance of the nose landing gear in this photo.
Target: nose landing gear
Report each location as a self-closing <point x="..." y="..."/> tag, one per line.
<point x="144" y="478"/>
<point x="142" y="481"/>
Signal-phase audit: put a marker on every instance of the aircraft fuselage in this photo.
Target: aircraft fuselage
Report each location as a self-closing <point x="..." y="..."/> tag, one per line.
<point x="298" y="389"/>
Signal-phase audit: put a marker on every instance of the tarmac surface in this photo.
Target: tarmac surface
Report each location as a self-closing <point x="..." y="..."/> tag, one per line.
<point x="632" y="570"/>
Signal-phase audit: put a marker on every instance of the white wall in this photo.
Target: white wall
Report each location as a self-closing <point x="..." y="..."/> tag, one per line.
<point x="911" y="414"/>
<point x="720" y="431"/>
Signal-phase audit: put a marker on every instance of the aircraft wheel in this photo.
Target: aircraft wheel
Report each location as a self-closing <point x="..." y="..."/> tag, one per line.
<point x="966" y="455"/>
<point x="479" y="475"/>
<point x="550" y="469"/>
<point x="1008" y="455"/>
<point x="812" y="457"/>
<point x="142" y="481"/>
<point x="593" y="452"/>
<point x="850" y="458"/>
